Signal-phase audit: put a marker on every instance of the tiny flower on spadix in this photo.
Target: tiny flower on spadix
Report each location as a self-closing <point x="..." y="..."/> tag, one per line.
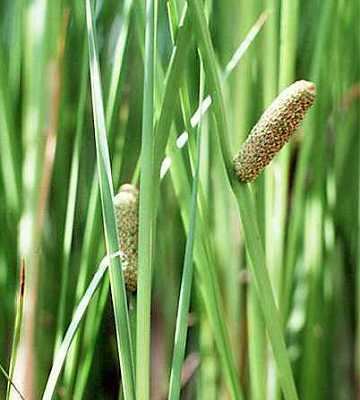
<point x="126" y="205"/>
<point x="274" y="128"/>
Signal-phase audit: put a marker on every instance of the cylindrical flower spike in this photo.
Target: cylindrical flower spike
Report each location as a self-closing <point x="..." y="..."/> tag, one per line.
<point x="126" y="204"/>
<point x="279" y="121"/>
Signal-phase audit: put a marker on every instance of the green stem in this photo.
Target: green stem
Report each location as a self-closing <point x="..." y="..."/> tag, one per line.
<point x="186" y="284"/>
<point x="146" y="211"/>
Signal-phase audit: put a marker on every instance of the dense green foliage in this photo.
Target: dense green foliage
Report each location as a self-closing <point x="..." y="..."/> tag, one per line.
<point x="245" y="291"/>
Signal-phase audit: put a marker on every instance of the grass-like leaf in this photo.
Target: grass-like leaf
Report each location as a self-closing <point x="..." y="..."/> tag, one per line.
<point x="107" y="195"/>
<point x="72" y="195"/>
<point x="146" y="211"/>
<point x="186" y="282"/>
<point x="17" y="328"/>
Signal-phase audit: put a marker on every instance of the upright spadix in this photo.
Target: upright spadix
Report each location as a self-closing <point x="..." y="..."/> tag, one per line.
<point x="126" y="204"/>
<point x="274" y="128"/>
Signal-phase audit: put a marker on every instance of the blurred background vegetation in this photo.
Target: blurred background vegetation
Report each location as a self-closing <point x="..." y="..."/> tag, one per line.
<point x="308" y="199"/>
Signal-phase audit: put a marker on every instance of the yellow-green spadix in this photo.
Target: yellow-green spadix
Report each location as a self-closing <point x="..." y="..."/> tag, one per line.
<point x="274" y="128"/>
<point x="126" y="209"/>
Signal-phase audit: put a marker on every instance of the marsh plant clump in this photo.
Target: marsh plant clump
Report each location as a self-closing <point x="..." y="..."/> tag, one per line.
<point x="274" y="129"/>
<point x="133" y="136"/>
